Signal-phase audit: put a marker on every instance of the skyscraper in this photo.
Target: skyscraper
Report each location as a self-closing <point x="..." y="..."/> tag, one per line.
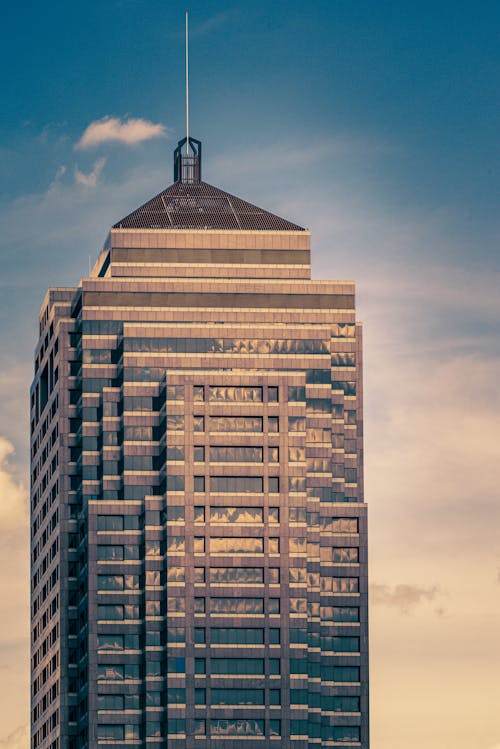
<point x="198" y="526"/>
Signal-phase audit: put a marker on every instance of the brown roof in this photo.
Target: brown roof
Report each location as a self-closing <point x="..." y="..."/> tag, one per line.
<point x="199" y="205"/>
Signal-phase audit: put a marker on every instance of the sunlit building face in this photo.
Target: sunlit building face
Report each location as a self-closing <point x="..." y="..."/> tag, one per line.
<point x="198" y="521"/>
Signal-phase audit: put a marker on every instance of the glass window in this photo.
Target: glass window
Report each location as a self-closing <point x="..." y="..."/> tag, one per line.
<point x="199" y="483"/>
<point x="236" y="424"/>
<point x="199" y="635"/>
<point x="339" y="525"/>
<point x="109" y="612"/>
<point x="340" y="704"/>
<point x="200" y="696"/>
<point x="199" y="544"/>
<point x="297" y="575"/>
<point x="109" y="582"/>
<point x="237" y="666"/>
<point x="297" y="515"/>
<point x="174" y="392"/>
<point x="199" y="393"/>
<point x="110" y="523"/>
<point x="339" y="555"/>
<point x="275" y="727"/>
<point x="236" y="514"/>
<point x="199" y="574"/>
<point x="274" y="546"/>
<point x="220" y="545"/>
<point x="274" y="484"/>
<point x="235" y="394"/>
<point x="174" y="513"/>
<point x="273" y="454"/>
<point x="274" y="605"/>
<point x="200" y="666"/>
<point x="272" y="394"/>
<point x="236" y="727"/>
<point x="235" y="454"/>
<point x="176" y="665"/>
<point x="237" y="636"/>
<point x="237" y="484"/>
<point x="341" y="734"/>
<point x="110" y="733"/>
<point x="274" y="575"/>
<point x="199" y="453"/>
<point x="199" y="514"/>
<point x="237" y="605"/>
<point x="176" y="634"/>
<point x="296" y="424"/>
<point x="273" y="424"/>
<point x="297" y="545"/>
<point x="174" y="452"/>
<point x="176" y="726"/>
<point x="174" y="422"/>
<point x="275" y="696"/>
<point x="223" y="696"/>
<point x="175" y="544"/>
<point x="175" y="574"/>
<point x="199" y="605"/>
<point x="200" y="727"/>
<point x="274" y="636"/>
<point x="176" y="604"/>
<point x="110" y="702"/>
<point x="198" y="423"/>
<point x="110" y="642"/>
<point x="340" y="584"/>
<point x="237" y="575"/>
<point x="274" y="666"/>
<point x="110" y="553"/>
<point x="274" y="514"/>
<point x="340" y="613"/>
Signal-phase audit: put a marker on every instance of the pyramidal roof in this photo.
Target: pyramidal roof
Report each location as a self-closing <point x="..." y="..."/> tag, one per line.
<point x="190" y="203"/>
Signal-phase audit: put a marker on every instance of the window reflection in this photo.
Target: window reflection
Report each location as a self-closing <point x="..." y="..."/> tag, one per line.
<point x="236" y="424"/>
<point x="339" y="525"/>
<point x="236" y="514"/>
<point x="221" y="605"/>
<point x="341" y="555"/>
<point x="236" y="727"/>
<point x="340" y="584"/>
<point x="236" y="454"/>
<point x="219" y="545"/>
<point x="221" y="696"/>
<point x="237" y="636"/>
<point x="241" y="575"/>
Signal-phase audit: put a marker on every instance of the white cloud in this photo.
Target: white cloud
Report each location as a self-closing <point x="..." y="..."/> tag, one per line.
<point x="402" y="596"/>
<point x="19" y="739"/>
<point x="13" y="504"/>
<point x="114" y="130"/>
<point x="91" y="179"/>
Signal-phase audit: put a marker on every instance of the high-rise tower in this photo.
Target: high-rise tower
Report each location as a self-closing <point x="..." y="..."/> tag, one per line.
<point x="198" y="534"/>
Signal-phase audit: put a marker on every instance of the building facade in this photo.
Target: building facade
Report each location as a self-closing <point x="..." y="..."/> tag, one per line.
<point x="198" y="532"/>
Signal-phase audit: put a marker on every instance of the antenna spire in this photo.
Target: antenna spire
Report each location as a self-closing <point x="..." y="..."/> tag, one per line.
<point x="187" y="83"/>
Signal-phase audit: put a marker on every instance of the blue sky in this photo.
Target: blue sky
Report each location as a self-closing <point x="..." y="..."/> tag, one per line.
<point x="373" y="124"/>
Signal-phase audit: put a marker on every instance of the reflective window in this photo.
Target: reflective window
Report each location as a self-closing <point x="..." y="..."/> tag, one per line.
<point x="297" y="514"/>
<point x="199" y="453"/>
<point x="297" y="575"/>
<point x="237" y="696"/>
<point x="237" y="605"/>
<point x="110" y="642"/>
<point x="297" y="545"/>
<point x="274" y="546"/>
<point x="343" y="330"/>
<point x="175" y="574"/>
<point x="198" y="423"/>
<point x="274" y="606"/>
<point x="110" y="582"/>
<point x="199" y="635"/>
<point x="296" y="483"/>
<point x="236" y="454"/>
<point x="198" y="393"/>
<point x="339" y="525"/>
<point x="298" y="605"/>
<point x="199" y="544"/>
<point x="175" y="544"/>
<point x="237" y="666"/>
<point x="174" y="452"/>
<point x="274" y="575"/>
<point x="341" y="734"/>
<point x="296" y="424"/>
<point x="274" y="515"/>
<point x="176" y="604"/>
<point x="199" y="574"/>
<point x="110" y="702"/>
<point x="199" y="483"/>
<point x="339" y="555"/>
<point x="237" y="636"/>
<point x="174" y="513"/>
<point x="174" y="392"/>
<point x="200" y="727"/>
<point x="219" y="545"/>
<point x="275" y="727"/>
<point x="340" y="584"/>
<point x="236" y="727"/>
<point x="174" y="422"/>
<point x="199" y="514"/>
<point x="339" y="613"/>
<point x="176" y="634"/>
<point x="237" y="575"/>
<point x="273" y="424"/>
<point x="238" y="394"/>
<point x="237" y="484"/>
<point x="272" y="394"/>
<point x="340" y="644"/>
<point x="176" y="726"/>
<point x="236" y="514"/>
<point x="236" y="424"/>
<point x="200" y="696"/>
<point x="176" y="665"/>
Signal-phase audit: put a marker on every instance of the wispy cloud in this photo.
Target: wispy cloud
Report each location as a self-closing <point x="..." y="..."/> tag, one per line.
<point x="402" y="596"/>
<point x="91" y="179"/>
<point x="115" y="130"/>
<point x="13" y="507"/>
<point x="19" y="739"/>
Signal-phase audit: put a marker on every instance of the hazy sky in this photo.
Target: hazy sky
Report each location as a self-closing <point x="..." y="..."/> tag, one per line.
<point x="371" y="123"/>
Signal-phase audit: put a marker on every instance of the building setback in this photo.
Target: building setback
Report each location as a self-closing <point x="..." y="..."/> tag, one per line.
<point x="198" y="526"/>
